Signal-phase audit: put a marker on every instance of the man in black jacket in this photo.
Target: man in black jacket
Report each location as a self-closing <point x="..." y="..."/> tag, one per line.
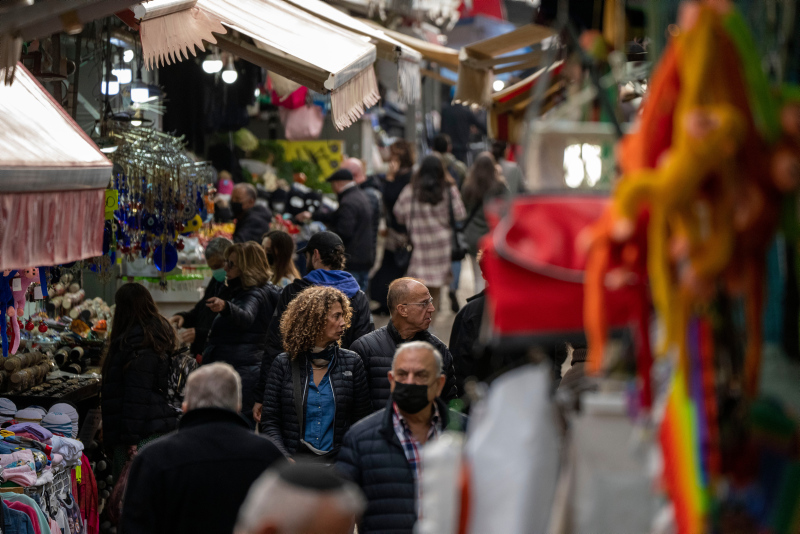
<point x="411" y="309"/>
<point x="372" y="190"/>
<point x="252" y="220"/>
<point x="463" y="339"/>
<point x="197" y="321"/>
<point x="169" y="485"/>
<point x="325" y="258"/>
<point x="382" y="452"/>
<point x="352" y="222"/>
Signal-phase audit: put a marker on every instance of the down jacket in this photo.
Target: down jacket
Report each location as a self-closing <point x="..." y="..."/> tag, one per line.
<point x="377" y="351"/>
<point x="239" y="333"/>
<point x="372" y="457"/>
<point x="360" y="324"/>
<point x="350" y="392"/>
<point x="134" y="393"/>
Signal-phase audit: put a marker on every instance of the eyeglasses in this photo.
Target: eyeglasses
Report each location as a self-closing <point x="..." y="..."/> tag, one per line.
<point x="424" y="304"/>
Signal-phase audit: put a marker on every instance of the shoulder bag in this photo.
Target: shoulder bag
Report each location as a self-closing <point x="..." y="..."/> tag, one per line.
<point x="458" y="247"/>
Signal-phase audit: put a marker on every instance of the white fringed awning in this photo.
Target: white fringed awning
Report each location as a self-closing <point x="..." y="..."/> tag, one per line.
<point x="388" y="48"/>
<point x="277" y="36"/>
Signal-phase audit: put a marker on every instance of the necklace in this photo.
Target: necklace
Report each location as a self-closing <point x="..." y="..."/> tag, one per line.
<point x="318" y="368"/>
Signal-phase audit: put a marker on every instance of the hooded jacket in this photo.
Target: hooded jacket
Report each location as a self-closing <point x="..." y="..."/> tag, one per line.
<point x="360" y="324"/>
<point x="168" y="486"/>
<point x="372" y="457"/>
<point x="253" y="224"/>
<point x="377" y="351"/>
<point x="350" y="393"/>
<point x="134" y="392"/>
<point x="239" y="332"/>
<point x="353" y="222"/>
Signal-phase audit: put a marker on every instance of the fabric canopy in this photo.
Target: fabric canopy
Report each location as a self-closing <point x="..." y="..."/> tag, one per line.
<point x="388" y="48"/>
<point x="286" y="40"/>
<point x="42" y="150"/>
<point x="444" y="56"/>
<point x="507" y="112"/>
<point x="478" y="62"/>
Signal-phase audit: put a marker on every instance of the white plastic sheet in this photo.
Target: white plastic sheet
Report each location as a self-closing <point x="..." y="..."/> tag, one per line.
<point x="514" y="450"/>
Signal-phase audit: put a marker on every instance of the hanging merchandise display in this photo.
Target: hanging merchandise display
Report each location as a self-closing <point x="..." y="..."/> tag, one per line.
<point x="161" y="192"/>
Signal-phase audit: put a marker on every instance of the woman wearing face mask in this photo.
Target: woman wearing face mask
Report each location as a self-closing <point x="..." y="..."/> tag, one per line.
<point x="315" y="390"/>
<point x="245" y="307"/>
<point x="196" y="323"/>
<point x="280" y="249"/>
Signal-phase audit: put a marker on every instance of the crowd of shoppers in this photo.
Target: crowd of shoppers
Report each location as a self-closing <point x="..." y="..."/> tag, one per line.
<point x="292" y="366"/>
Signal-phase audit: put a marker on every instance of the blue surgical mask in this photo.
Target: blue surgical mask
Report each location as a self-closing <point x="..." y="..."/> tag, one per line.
<point x="218" y="274"/>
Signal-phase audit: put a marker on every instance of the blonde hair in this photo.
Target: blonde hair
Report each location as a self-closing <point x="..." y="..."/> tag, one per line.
<point x="306" y="317"/>
<point x="252" y="262"/>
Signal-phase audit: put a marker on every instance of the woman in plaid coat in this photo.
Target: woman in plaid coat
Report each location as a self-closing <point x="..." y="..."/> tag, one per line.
<point x="423" y="208"/>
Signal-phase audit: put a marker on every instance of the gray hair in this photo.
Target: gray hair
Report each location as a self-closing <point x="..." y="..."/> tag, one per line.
<point x="216" y="385"/>
<point x="249" y="190"/>
<point x="286" y="506"/>
<point x="420" y="345"/>
<point x="217" y="247"/>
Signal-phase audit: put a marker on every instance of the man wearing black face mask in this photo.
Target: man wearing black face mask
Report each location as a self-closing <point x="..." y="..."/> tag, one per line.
<point x="252" y="220"/>
<point x="382" y="452"/>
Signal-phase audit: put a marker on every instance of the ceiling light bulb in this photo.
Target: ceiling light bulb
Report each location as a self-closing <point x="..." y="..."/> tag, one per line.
<point x="124" y="75"/>
<point x="113" y="86"/>
<point x="136" y="123"/>
<point x="212" y="64"/>
<point x="498" y="85"/>
<point x="139" y="90"/>
<point x="127" y="56"/>
<point x="229" y="75"/>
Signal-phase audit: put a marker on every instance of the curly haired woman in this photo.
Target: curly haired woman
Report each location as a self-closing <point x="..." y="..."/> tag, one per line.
<point x="330" y="382"/>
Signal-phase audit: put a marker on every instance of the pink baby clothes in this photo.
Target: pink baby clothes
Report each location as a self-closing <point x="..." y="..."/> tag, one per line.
<point x="23" y="475"/>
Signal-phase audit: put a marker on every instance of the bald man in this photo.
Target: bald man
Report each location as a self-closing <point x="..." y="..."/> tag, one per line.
<point x="252" y="220"/>
<point x="411" y="309"/>
<point x="370" y="187"/>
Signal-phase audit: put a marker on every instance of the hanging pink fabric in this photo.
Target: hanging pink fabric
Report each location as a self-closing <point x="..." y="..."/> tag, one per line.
<point x="303" y="123"/>
<point x="294" y="100"/>
<point x="50" y="228"/>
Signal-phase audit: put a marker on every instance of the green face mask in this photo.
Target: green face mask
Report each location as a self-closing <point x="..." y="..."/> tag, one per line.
<point x="218" y="274"/>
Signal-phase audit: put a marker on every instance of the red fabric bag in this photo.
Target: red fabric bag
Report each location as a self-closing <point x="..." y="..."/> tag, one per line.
<point x="535" y="271"/>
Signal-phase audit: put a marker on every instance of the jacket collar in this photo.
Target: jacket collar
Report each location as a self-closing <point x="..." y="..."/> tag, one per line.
<point x="422" y="335"/>
<point x="387" y="427"/>
<point x="349" y="188"/>
<point x="476" y="297"/>
<point x="204" y="416"/>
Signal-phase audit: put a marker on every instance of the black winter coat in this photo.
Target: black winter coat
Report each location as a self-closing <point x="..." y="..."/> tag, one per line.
<point x="134" y="393"/>
<point x="371" y="189"/>
<point x="253" y="224"/>
<point x="169" y="488"/>
<point x="239" y="333"/>
<point x="377" y="351"/>
<point x="463" y="338"/>
<point x="361" y="324"/>
<point x="353" y="222"/>
<point x="350" y="392"/>
<point x="372" y="457"/>
<point x="200" y="317"/>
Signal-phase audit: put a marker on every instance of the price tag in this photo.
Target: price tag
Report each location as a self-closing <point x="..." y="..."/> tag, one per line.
<point x="16" y="285"/>
<point x="37" y="293"/>
<point x="112" y="201"/>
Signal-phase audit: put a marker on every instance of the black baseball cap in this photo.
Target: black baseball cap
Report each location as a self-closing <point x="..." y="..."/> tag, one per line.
<point x="322" y="241"/>
<point x="342" y="175"/>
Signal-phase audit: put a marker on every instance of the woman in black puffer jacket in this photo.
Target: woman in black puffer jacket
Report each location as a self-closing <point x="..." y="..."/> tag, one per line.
<point x="332" y="383"/>
<point x="135" y="370"/>
<point x="239" y="333"/>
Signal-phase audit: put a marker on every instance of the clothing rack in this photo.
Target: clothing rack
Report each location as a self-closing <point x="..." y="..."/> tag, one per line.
<point x="61" y="485"/>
